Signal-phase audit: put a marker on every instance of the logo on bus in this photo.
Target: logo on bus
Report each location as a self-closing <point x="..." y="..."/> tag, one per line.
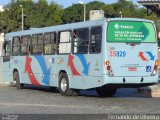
<point x="43" y="65"/>
<point x="116" y="26"/>
<point x="148" y="69"/>
<point x="71" y="64"/>
<point x="146" y="56"/>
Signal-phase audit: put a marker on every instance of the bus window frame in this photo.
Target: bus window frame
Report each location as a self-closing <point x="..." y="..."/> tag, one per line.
<point x="37" y="44"/>
<point x="16" y="46"/>
<point x="58" y="42"/>
<point x="55" y="42"/>
<point x="29" y="45"/>
<point x="96" y="40"/>
<point x="6" y="58"/>
<point x="83" y="41"/>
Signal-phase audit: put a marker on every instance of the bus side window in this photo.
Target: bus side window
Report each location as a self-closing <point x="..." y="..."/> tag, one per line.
<point x="80" y="40"/>
<point x="25" y="45"/>
<point x="96" y="39"/>
<point x="6" y="51"/>
<point x="64" y="44"/>
<point x="37" y="44"/>
<point x="16" y="46"/>
<point x="6" y="48"/>
<point x="49" y="43"/>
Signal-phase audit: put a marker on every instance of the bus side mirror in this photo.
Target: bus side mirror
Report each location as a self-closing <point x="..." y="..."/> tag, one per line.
<point x="158" y="35"/>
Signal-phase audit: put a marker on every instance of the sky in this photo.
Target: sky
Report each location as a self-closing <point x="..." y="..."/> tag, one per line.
<point x="66" y="3"/>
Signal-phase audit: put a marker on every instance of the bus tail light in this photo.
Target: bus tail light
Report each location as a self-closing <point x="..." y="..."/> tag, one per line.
<point x="156" y="65"/>
<point x="154" y="72"/>
<point x="108" y="68"/>
<point x="158" y="35"/>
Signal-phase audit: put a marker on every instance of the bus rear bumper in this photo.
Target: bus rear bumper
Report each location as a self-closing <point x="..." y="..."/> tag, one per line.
<point x="131" y="82"/>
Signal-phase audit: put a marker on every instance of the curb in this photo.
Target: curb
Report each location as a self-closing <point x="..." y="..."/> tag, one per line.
<point x="150" y="91"/>
<point x="5" y="83"/>
<point x="1" y="85"/>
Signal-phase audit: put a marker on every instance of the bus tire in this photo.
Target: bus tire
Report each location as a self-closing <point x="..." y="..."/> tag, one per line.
<point x="64" y="86"/>
<point x="106" y="92"/>
<point x="16" y="78"/>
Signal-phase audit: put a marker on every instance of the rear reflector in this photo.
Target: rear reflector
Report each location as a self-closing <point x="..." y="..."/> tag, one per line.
<point x="108" y="68"/>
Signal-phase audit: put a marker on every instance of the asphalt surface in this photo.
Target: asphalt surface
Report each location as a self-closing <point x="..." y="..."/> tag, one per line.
<point x="41" y="100"/>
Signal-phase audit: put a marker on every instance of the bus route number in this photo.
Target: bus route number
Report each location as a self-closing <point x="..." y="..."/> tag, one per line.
<point x="114" y="53"/>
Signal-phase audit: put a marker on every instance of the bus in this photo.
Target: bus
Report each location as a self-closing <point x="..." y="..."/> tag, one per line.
<point x="104" y="55"/>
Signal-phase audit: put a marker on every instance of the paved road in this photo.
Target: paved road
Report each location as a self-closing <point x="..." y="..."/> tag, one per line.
<point x="35" y="100"/>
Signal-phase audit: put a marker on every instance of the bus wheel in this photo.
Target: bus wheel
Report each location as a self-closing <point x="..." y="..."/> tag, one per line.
<point x="106" y="92"/>
<point x="16" y="78"/>
<point x="64" y="86"/>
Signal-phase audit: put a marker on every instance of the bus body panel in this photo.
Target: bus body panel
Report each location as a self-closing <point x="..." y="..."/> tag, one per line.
<point x="132" y="60"/>
<point x="130" y="80"/>
<point x="38" y="69"/>
<point x="87" y="71"/>
<point x="139" y="60"/>
<point x="31" y="71"/>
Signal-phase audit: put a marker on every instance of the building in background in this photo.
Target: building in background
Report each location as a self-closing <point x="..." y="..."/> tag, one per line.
<point x="96" y="14"/>
<point x="153" y="6"/>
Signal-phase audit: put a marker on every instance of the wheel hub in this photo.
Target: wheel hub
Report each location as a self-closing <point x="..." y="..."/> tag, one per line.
<point x="63" y="84"/>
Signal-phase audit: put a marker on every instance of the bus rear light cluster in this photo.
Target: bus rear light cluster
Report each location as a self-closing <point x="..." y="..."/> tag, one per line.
<point x="158" y="35"/>
<point x="108" y="68"/>
<point x="154" y="72"/>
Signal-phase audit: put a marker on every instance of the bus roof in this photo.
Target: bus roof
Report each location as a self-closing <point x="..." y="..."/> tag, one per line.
<point x="69" y="26"/>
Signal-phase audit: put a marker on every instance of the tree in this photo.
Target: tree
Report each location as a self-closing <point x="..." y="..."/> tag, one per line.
<point x="55" y="14"/>
<point x="95" y="5"/>
<point x="73" y="14"/>
<point x="11" y="17"/>
<point x="109" y="11"/>
<point x="127" y="8"/>
<point x="39" y="14"/>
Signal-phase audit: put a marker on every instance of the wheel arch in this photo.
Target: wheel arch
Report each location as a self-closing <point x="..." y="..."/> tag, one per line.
<point x="16" y="70"/>
<point x="69" y="91"/>
<point x="62" y="71"/>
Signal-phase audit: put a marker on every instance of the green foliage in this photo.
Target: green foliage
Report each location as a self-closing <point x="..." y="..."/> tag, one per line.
<point x="42" y="14"/>
<point x="95" y="5"/>
<point x="39" y="14"/>
<point x="73" y="13"/>
<point x="109" y="11"/>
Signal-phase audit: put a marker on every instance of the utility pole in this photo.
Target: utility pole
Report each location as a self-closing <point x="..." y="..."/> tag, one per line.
<point x="22" y="18"/>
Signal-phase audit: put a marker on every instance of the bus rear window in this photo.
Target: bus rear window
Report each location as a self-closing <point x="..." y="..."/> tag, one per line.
<point x="131" y="31"/>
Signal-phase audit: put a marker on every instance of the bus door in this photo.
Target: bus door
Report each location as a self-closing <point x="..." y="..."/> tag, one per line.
<point x="6" y="65"/>
<point x="95" y="51"/>
<point x="6" y="55"/>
